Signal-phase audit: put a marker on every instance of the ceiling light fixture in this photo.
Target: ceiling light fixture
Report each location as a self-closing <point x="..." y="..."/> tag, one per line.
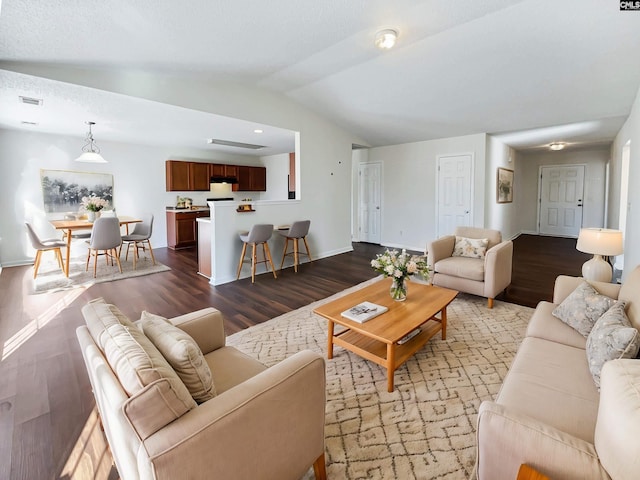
<point x="386" y="39"/>
<point x="557" y="145"/>
<point x="258" y="130"/>
<point x="90" y="151"/>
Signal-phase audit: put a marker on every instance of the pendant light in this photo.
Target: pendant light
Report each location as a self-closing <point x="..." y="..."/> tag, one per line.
<point x="90" y="151"/>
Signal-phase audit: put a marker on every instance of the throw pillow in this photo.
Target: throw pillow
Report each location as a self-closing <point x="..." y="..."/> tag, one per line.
<point x="612" y="337"/>
<point x="182" y="353"/>
<point x="470" y="247"/>
<point x="582" y="308"/>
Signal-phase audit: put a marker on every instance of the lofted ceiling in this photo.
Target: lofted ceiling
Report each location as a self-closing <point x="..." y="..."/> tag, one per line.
<point x="529" y="71"/>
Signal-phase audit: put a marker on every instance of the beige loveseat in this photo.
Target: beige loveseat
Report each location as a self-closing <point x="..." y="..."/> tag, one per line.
<point x="549" y="413"/>
<point x="486" y="276"/>
<point x="262" y="423"/>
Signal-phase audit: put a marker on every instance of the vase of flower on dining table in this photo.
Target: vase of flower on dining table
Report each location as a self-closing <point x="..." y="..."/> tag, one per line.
<point x="93" y="204"/>
<point x="400" y="266"/>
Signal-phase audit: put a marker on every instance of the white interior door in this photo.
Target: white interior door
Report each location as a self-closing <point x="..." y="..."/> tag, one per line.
<point x="561" y="194"/>
<point x="369" y="186"/>
<point x="454" y="193"/>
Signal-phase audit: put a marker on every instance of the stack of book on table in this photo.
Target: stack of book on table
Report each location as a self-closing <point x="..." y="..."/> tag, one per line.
<point x="364" y="311"/>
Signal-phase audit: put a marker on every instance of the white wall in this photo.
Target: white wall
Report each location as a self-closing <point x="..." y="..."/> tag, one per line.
<point x="501" y="216"/>
<point x="277" y="177"/>
<point x="529" y="164"/>
<point x="409" y="187"/>
<point x="324" y="149"/>
<point x="629" y="132"/>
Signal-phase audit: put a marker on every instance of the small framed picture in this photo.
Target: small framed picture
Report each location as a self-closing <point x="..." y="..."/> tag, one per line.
<point x="504" y="185"/>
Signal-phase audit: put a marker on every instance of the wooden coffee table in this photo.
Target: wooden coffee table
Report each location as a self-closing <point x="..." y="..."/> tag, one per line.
<point x="377" y="339"/>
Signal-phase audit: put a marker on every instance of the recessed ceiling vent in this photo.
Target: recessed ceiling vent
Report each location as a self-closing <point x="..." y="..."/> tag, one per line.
<point x="31" y="101"/>
<point x="31" y="124"/>
<point x="229" y="143"/>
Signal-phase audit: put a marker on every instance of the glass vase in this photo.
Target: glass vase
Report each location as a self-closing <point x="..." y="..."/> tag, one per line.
<point x="398" y="290"/>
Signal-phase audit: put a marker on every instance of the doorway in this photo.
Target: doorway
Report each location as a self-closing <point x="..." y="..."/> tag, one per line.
<point x="560" y="200"/>
<point x="369" y="213"/>
<point x="455" y="191"/>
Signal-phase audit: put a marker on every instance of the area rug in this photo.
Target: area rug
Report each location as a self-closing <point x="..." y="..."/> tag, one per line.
<point x="425" y="429"/>
<point x="50" y="277"/>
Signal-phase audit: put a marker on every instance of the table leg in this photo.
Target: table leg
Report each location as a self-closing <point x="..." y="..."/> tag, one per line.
<point x="443" y="320"/>
<point x="391" y="360"/>
<point x="66" y="263"/>
<point x="330" y="340"/>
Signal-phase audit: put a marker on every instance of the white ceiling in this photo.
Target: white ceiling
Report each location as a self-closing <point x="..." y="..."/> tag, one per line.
<point x="537" y="70"/>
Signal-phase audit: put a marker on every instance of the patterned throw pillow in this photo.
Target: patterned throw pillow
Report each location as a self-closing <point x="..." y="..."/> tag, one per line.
<point x="470" y="247"/>
<point x="182" y="353"/>
<point x="582" y="308"/>
<point x="612" y="337"/>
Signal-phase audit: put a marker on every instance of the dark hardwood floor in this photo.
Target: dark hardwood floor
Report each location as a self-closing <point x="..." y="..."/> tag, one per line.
<point x="48" y="424"/>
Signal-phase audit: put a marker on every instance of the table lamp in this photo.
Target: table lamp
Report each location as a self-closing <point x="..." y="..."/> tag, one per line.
<point x="599" y="242"/>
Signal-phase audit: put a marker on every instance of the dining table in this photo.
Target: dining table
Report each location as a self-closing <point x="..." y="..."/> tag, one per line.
<point x="68" y="226"/>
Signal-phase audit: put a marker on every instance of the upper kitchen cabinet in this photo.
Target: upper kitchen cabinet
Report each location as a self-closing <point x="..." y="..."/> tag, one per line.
<point x="251" y="179"/>
<point x="217" y="170"/>
<point x="187" y="176"/>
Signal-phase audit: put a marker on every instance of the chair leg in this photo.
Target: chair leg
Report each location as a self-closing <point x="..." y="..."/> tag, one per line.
<point x="244" y="250"/>
<point x="284" y="252"/>
<point x="319" y="468"/>
<point x="88" y="257"/>
<point x="135" y="254"/>
<point x="490" y="302"/>
<point x="115" y="251"/>
<point x="95" y="263"/>
<point x="306" y="245"/>
<point x="153" y="259"/>
<point x="273" y="268"/>
<point x="253" y="262"/>
<point x="36" y="263"/>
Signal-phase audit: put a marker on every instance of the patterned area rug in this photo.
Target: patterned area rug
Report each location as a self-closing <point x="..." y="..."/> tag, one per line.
<point x="50" y="277"/>
<point x="425" y="429"/>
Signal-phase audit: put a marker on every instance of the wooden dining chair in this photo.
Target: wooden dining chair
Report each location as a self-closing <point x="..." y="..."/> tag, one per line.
<point x="40" y="246"/>
<point x="105" y="240"/>
<point x="139" y="239"/>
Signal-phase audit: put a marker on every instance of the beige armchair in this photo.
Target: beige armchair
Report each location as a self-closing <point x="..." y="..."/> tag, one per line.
<point x="262" y="423"/>
<point x="485" y="277"/>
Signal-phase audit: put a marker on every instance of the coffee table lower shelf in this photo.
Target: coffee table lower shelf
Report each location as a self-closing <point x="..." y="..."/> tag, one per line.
<point x="389" y="355"/>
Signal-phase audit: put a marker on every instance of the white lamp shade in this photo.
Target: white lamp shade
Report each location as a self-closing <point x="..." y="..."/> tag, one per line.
<point x="91" y="157"/>
<point x="600" y="241"/>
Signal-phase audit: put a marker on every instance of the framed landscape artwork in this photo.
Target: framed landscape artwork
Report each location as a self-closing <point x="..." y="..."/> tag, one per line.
<point x="62" y="190"/>
<point x="504" y="185"/>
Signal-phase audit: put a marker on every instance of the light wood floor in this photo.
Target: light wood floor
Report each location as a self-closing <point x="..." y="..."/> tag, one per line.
<point x="48" y="424"/>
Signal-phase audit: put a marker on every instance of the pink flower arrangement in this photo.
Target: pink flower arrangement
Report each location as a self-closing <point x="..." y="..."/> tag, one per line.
<point x="93" y="203"/>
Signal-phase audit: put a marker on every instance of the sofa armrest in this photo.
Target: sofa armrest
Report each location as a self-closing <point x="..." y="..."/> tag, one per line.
<point x="507" y="439"/>
<point x="497" y="268"/>
<point x="205" y="326"/>
<point x="566" y="284"/>
<point x="439" y="249"/>
<point x="273" y="422"/>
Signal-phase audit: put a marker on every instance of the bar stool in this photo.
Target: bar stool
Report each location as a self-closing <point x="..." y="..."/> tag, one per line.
<point x="259" y="235"/>
<point x="297" y="231"/>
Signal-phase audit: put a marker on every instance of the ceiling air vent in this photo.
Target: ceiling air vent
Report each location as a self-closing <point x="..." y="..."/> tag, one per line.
<point x="228" y="143"/>
<point x="31" y="124"/>
<point x="31" y="101"/>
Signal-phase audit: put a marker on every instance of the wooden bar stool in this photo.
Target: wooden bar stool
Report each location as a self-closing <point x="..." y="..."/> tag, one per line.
<point x="259" y="235"/>
<point x="297" y="231"/>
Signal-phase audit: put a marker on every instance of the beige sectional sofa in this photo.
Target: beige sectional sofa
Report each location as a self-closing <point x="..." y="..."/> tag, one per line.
<point x="257" y="422"/>
<point x="549" y="413"/>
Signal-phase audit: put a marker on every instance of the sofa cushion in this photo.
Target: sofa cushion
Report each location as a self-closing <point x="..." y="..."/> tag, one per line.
<point x="629" y="293"/>
<point x="470" y="247"/>
<point x="612" y="337"/>
<point x="551" y="383"/>
<point x="463" y="267"/>
<point x="182" y="352"/>
<point x="544" y="325"/>
<point x="135" y="360"/>
<point x="582" y="308"/>
<point x="616" y="438"/>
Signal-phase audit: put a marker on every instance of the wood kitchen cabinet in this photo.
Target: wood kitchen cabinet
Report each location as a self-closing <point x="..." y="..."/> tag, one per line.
<point x="217" y="170"/>
<point x="186" y="176"/>
<point x="182" y="230"/>
<point x="251" y="179"/>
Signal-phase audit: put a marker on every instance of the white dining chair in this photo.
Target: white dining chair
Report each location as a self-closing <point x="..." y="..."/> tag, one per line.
<point x="105" y="240"/>
<point x="40" y="246"/>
